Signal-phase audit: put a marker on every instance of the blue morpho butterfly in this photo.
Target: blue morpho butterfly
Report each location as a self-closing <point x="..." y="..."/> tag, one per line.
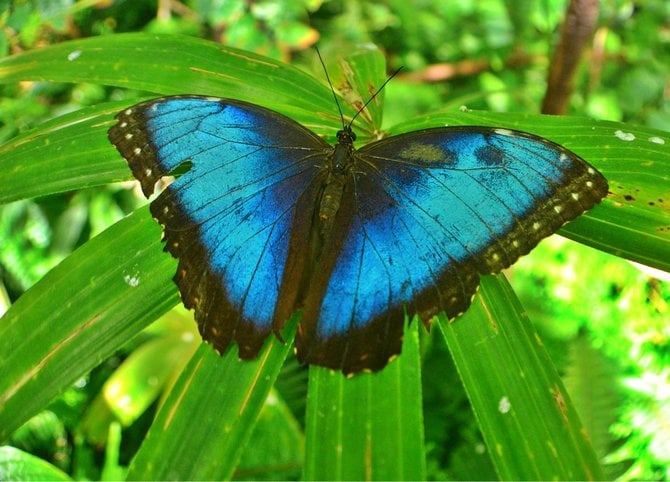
<point x="269" y="219"/>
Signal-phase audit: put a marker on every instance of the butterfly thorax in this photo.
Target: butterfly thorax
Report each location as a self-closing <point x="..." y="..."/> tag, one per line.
<point x="343" y="153"/>
<point x="339" y="165"/>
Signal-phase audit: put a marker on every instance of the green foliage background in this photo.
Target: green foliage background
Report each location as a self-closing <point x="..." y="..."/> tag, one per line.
<point x="148" y="401"/>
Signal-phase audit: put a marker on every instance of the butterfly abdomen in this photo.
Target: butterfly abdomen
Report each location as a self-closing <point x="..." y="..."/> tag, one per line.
<point x="330" y="201"/>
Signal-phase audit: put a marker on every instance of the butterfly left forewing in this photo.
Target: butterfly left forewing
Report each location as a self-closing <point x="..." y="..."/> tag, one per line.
<point x="227" y="216"/>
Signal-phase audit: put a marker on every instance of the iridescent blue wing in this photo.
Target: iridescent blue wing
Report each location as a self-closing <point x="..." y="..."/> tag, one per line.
<point x="227" y="216"/>
<point x="430" y="211"/>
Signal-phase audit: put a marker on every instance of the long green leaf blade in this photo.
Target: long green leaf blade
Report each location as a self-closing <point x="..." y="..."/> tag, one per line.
<point x="151" y="63"/>
<point x="66" y="153"/>
<point x="80" y="313"/>
<point x="368" y="427"/>
<point x="224" y="395"/>
<point x="16" y="464"/>
<point x="526" y="417"/>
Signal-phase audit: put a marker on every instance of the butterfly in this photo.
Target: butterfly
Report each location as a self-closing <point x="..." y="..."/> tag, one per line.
<point x="267" y="219"/>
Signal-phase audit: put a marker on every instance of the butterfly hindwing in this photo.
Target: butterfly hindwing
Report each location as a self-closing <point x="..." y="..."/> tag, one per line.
<point x="432" y="211"/>
<point x="227" y="218"/>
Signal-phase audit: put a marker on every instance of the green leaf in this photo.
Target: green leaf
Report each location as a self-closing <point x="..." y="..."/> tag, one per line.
<point x="150" y="63"/>
<point x="357" y="77"/>
<point x="369" y="427"/>
<point x="111" y="469"/>
<point x="591" y="380"/>
<point x="201" y="429"/>
<point x="276" y="448"/>
<point x="528" y="422"/>
<point x="143" y="375"/>
<point x="80" y="313"/>
<point x="18" y="465"/>
<point x="66" y="153"/>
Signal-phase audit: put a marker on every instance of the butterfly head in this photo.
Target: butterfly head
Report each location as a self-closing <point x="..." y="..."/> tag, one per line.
<point x="346" y="136"/>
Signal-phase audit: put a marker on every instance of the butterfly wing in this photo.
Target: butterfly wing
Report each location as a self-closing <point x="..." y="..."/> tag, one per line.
<point x="227" y="218"/>
<point x="431" y="211"/>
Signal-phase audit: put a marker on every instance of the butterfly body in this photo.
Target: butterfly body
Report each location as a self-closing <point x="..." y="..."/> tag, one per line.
<point x="340" y="163"/>
<point x="269" y="220"/>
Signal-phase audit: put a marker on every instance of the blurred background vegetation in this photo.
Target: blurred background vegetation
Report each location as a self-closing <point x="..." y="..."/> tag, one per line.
<point x="611" y="343"/>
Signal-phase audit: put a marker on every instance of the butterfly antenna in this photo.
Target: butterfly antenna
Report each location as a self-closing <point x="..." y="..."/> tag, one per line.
<point x="375" y="94"/>
<point x="335" y="96"/>
<point x="330" y="84"/>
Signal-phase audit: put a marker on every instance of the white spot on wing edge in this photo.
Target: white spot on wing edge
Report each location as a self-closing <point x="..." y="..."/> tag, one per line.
<point x="657" y="140"/>
<point x="504" y="132"/>
<point x="504" y="405"/>
<point x="74" y="55"/>
<point x="624" y="136"/>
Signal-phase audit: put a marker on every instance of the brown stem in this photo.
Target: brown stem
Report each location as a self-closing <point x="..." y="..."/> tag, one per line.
<point x="576" y="33"/>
